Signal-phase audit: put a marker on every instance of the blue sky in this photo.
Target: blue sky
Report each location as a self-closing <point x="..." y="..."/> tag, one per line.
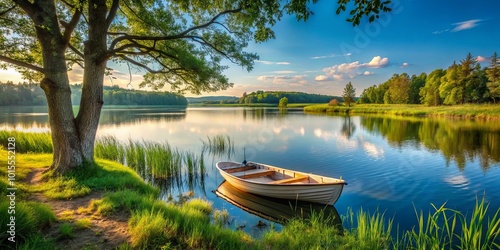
<point x="323" y="54"/>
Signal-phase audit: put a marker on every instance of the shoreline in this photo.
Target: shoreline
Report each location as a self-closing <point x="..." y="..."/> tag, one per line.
<point x="466" y="111"/>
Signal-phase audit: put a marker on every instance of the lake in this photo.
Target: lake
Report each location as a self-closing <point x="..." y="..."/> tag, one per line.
<point x="391" y="164"/>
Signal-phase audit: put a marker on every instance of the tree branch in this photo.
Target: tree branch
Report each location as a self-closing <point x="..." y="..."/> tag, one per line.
<point x="150" y="70"/>
<point x="70" y="27"/>
<point x="21" y="64"/>
<point x="74" y="49"/>
<point x="8" y="10"/>
<point x="178" y="36"/>
<point x="112" y="13"/>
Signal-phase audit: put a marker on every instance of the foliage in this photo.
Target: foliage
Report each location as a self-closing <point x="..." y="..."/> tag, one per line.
<point x="32" y="94"/>
<point x="430" y="91"/>
<point x="417" y="83"/>
<point x="66" y="230"/>
<point x="333" y="102"/>
<point x="461" y="83"/>
<point x="349" y="94"/>
<point x="292" y="97"/>
<point x="399" y="89"/>
<point x="283" y="102"/>
<point x="493" y="74"/>
<point x="156" y="224"/>
<point x="30" y="218"/>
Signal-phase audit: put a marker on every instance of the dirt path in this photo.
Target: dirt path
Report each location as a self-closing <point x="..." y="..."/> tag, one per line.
<point x="104" y="232"/>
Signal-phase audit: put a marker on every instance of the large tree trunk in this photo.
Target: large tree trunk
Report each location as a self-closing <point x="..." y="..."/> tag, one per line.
<point x="93" y="77"/>
<point x="72" y="138"/>
<point x="65" y="138"/>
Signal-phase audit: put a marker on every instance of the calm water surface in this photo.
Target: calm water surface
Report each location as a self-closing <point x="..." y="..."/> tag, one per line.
<point x="391" y="164"/>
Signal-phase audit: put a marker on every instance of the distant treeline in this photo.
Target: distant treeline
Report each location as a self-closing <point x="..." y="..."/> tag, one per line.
<point x="32" y="94"/>
<point x="461" y="83"/>
<point x="293" y="97"/>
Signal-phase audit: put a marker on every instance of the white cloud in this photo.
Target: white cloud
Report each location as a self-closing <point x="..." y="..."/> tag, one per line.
<point x="284" y="72"/>
<point x="351" y="70"/>
<point x="482" y="59"/>
<point x="466" y="25"/>
<point x="378" y="62"/>
<point x="404" y="65"/>
<point x="330" y="56"/>
<point x="271" y="63"/>
<point x="283" y="79"/>
<point x="321" y="78"/>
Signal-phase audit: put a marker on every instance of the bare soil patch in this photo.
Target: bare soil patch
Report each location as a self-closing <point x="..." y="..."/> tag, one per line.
<point x="103" y="232"/>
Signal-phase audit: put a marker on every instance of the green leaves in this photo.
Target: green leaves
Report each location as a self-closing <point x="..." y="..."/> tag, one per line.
<point x="369" y="8"/>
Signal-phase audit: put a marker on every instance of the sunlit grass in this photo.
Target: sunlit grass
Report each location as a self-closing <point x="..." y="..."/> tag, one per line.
<point x="479" y="111"/>
<point x="28" y="141"/>
<point x="188" y="224"/>
<point x="448" y="229"/>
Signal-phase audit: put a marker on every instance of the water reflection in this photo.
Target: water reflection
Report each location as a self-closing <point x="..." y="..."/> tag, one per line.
<point x="36" y="117"/>
<point x="348" y="127"/>
<point x="459" y="141"/>
<point x="277" y="210"/>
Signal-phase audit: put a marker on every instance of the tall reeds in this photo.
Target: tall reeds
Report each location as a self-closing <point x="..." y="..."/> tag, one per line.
<point x="28" y="141"/>
<point x="451" y="229"/>
<point x="219" y="145"/>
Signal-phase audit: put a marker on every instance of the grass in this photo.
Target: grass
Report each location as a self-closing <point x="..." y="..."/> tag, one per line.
<point x="188" y="225"/>
<point x="219" y="145"/>
<point x="477" y="111"/>
<point x="83" y="223"/>
<point x="66" y="231"/>
<point x="28" y="141"/>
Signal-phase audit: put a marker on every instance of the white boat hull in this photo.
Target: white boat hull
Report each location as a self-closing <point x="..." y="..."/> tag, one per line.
<point x="317" y="189"/>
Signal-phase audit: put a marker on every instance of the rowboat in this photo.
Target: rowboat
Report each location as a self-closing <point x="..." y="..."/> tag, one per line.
<point x="276" y="210"/>
<point x="281" y="183"/>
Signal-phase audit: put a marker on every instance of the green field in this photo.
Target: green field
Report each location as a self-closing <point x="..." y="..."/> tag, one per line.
<point x="478" y="111"/>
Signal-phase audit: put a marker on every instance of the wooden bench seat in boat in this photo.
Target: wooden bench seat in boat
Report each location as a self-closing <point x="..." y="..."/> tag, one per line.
<point x="253" y="173"/>
<point x="239" y="169"/>
<point x="291" y="180"/>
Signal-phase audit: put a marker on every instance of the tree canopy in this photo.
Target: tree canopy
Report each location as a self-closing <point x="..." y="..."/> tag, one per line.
<point x="349" y="94"/>
<point x="180" y="43"/>
<point x="461" y="83"/>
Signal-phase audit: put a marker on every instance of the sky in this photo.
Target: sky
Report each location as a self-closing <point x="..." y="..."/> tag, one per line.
<point x="324" y="53"/>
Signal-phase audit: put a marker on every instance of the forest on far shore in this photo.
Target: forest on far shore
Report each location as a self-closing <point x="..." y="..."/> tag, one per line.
<point x="461" y="83"/>
<point x="28" y="94"/>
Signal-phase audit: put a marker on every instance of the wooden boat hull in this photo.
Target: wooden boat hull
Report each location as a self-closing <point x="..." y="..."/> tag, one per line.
<point x="317" y="189"/>
<point x="277" y="210"/>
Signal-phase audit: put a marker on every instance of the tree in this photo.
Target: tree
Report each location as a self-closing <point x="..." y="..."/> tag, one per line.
<point x="417" y="83"/>
<point x="283" y="102"/>
<point x="493" y="74"/>
<point x="429" y="94"/>
<point x="399" y="89"/>
<point x="467" y="81"/>
<point x="449" y="90"/>
<point x="349" y="94"/>
<point x="180" y="43"/>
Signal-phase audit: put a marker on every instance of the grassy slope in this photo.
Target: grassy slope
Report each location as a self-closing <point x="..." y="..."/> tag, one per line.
<point x="187" y="225"/>
<point x="491" y="112"/>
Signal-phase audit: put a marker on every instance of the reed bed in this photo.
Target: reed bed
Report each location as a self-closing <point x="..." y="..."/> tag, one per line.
<point x="152" y="159"/>
<point x="450" y="229"/>
<point x="219" y="145"/>
<point x="28" y="141"/>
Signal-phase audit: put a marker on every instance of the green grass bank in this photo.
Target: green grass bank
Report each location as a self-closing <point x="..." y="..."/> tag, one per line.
<point x="473" y="111"/>
<point x="193" y="223"/>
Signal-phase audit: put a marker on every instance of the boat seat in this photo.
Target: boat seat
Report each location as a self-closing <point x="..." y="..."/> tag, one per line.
<point x="291" y="180"/>
<point x="254" y="173"/>
<point x="239" y="169"/>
